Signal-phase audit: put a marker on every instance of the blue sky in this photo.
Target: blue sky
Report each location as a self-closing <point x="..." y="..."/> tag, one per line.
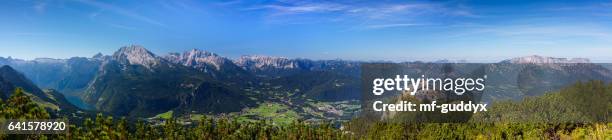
<point x="353" y="30"/>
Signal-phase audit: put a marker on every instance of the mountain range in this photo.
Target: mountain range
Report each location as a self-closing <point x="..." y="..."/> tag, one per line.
<point x="136" y="82"/>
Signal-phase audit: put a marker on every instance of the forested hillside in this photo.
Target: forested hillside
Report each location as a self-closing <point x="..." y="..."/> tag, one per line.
<point x="20" y="106"/>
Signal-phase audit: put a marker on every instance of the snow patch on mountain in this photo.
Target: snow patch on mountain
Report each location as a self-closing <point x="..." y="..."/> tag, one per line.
<point x="261" y="62"/>
<point x="535" y="59"/>
<point x="198" y="59"/>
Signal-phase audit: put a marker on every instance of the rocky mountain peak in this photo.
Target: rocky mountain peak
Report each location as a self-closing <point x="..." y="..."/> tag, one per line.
<point x="259" y="62"/>
<point x="98" y="56"/>
<point x="195" y="53"/>
<point x="536" y="59"/>
<point x="198" y="58"/>
<point x="195" y="57"/>
<point x="136" y="55"/>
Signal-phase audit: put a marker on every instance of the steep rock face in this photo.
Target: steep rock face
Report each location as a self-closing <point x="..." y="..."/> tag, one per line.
<point x="198" y="59"/>
<point x="279" y="66"/>
<point x="266" y="62"/>
<point x="136" y="55"/>
<point x="216" y="66"/>
<point x="201" y="60"/>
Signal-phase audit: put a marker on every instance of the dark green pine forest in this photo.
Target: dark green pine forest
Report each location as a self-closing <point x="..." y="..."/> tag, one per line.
<point x="511" y="122"/>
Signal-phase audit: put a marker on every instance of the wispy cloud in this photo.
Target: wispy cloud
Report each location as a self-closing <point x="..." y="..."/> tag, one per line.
<point x="179" y="5"/>
<point x="120" y="11"/>
<point x="556" y="30"/>
<point x="94" y="17"/>
<point x="227" y="3"/>
<point x="600" y="9"/>
<point x="125" y="27"/>
<point x="367" y="15"/>
<point x="380" y="26"/>
<point x="40" y="6"/>
<point x="279" y="10"/>
<point x="21" y="34"/>
<point x="539" y="34"/>
<point x="355" y="10"/>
